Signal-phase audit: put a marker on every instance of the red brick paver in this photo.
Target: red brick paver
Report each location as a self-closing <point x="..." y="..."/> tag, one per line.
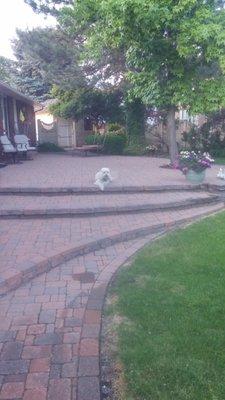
<point x="52" y="170"/>
<point x="50" y="326"/>
<point x="91" y="203"/>
<point x="28" y="246"/>
<point x="50" y="343"/>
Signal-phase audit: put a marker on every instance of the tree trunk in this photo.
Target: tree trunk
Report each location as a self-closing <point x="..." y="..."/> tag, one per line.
<point x="171" y="129"/>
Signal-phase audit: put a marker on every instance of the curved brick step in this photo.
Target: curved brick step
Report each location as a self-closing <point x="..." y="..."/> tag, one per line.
<point x="85" y="211"/>
<point x="51" y="327"/>
<point x="90" y="190"/>
<point x="30" y="268"/>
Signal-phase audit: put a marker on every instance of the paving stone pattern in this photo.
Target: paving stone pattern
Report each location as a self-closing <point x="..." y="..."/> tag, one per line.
<point x="87" y="202"/>
<point x="51" y="170"/>
<point x="50" y="325"/>
<point x="49" y="329"/>
<point x="27" y="243"/>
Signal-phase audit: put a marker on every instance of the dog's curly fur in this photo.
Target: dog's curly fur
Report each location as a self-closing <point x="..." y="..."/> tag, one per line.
<point x="103" y="178"/>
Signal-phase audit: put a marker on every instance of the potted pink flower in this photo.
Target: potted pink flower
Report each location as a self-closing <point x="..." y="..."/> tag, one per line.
<point x="194" y="164"/>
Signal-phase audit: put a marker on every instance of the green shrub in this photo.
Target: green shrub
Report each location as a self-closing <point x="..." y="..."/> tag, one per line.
<point x="205" y="139"/>
<point x="49" y="148"/>
<point x="116" y="128"/>
<point x="94" y="139"/>
<point x="113" y="143"/>
<point x="218" y="152"/>
<point x="134" y="149"/>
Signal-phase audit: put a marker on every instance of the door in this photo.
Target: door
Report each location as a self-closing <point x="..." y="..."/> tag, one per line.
<point x="64" y="132"/>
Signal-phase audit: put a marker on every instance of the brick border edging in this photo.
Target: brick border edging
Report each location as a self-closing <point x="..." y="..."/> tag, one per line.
<point x="96" y="302"/>
<point x="114" y="210"/>
<point x="99" y="290"/>
<point x="34" y="269"/>
<point x="92" y="190"/>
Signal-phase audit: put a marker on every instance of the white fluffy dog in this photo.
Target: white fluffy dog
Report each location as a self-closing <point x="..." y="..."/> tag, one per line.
<point x="103" y="178"/>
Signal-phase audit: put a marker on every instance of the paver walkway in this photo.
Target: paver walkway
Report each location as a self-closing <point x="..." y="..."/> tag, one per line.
<point x="50" y="330"/>
<point x="50" y="325"/>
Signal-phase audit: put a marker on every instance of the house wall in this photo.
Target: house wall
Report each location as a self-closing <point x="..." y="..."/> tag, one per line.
<point x="47" y="133"/>
<point x="66" y="133"/>
<point x="31" y="132"/>
<point x="81" y="133"/>
<point x="60" y="131"/>
<point x="11" y="131"/>
<point x="10" y="122"/>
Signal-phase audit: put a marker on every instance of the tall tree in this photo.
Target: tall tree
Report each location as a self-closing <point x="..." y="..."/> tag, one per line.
<point x="49" y="54"/>
<point x="51" y="59"/>
<point x="174" y="50"/>
<point x="25" y="77"/>
<point x="51" y="7"/>
<point x="7" y="70"/>
<point x="58" y="53"/>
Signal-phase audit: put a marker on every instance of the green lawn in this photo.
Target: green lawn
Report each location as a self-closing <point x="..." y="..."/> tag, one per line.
<point x="172" y="340"/>
<point x="220" y="161"/>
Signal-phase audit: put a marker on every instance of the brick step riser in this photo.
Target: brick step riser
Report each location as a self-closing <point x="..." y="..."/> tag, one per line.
<point x="77" y="213"/>
<point x="52" y="262"/>
<point x="95" y="191"/>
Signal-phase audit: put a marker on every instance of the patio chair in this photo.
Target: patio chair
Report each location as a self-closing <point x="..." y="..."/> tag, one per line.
<point x="22" y="144"/>
<point x="7" y="147"/>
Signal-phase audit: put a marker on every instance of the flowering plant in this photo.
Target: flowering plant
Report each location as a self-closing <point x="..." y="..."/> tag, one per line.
<point x="151" y="148"/>
<point x="198" y="162"/>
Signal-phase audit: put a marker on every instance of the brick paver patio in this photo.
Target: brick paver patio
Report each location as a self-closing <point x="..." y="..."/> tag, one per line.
<point x="65" y="171"/>
<point x="60" y="267"/>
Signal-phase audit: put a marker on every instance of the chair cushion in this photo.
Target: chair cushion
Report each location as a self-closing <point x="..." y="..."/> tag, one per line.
<point x="23" y="142"/>
<point x="21" y="139"/>
<point x="21" y="147"/>
<point x="30" y="148"/>
<point x="6" y="144"/>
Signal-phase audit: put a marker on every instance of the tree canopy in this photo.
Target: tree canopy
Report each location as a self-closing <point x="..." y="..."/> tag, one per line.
<point x="174" y="50"/>
<point x="6" y="69"/>
<point x="52" y="54"/>
<point x="51" y="64"/>
<point x="48" y="6"/>
<point x="95" y="104"/>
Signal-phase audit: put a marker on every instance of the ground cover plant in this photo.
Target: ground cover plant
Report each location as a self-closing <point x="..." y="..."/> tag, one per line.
<point x="48" y="147"/>
<point x="171" y="300"/>
<point x="220" y="161"/>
